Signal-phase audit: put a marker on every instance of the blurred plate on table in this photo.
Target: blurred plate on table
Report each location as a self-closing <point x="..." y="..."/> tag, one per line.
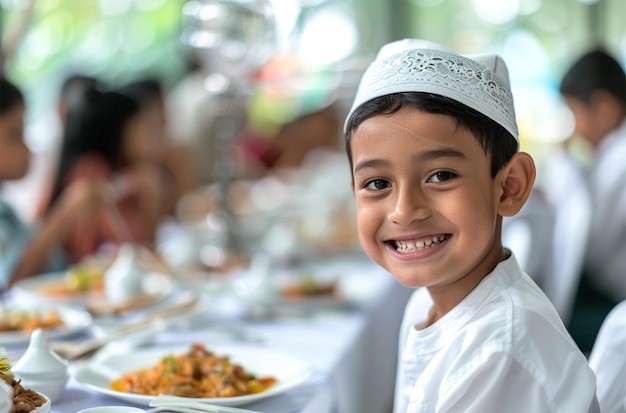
<point x="100" y="372"/>
<point x="56" y="321"/>
<point x="340" y="284"/>
<point x="54" y="288"/>
<point x="312" y="287"/>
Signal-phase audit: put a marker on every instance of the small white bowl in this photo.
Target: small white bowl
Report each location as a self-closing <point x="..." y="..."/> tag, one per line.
<point x="52" y="388"/>
<point x="111" y="409"/>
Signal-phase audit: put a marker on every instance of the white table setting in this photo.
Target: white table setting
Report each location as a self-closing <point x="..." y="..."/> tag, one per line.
<point x="300" y="303"/>
<point x="327" y="358"/>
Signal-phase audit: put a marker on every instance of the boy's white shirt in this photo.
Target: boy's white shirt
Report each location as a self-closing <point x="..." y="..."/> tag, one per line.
<point x="608" y="360"/>
<point x="502" y="349"/>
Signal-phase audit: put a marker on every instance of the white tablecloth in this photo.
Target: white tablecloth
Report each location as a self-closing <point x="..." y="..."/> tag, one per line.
<point x="354" y="354"/>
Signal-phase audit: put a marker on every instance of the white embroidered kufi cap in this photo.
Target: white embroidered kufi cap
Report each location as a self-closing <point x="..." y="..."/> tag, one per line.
<point x="412" y="65"/>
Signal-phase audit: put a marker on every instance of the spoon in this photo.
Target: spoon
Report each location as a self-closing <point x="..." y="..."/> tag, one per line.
<point x="215" y="409"/>
<point x="184" y="405"/>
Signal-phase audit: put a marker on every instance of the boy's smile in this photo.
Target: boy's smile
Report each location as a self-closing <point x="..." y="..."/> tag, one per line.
<point x="427" y="206"/>
<point x="406" y="246"/>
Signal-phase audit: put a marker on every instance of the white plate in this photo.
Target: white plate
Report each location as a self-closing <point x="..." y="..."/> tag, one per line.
<point x="262" y="361"/>
<point x="34" y="288"/>
<point x="74" y="320"/>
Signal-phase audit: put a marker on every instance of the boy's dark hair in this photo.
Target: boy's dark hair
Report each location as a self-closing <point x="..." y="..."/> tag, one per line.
<point x="595" y="70"/>
<point x="10" y="95"/>
<point x="493" y="138"/>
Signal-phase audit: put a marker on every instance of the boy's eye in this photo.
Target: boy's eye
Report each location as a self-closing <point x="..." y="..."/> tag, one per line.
<point x="441" y="176"/>
<point x="376" y="184"/>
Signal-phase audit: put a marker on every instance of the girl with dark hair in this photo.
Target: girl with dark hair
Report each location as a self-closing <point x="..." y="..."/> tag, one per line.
<point x="26" y="251"/>
<point x="105" y="141"/>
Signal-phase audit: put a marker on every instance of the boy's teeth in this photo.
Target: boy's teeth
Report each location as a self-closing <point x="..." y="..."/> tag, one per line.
<point x="410" y="246"/>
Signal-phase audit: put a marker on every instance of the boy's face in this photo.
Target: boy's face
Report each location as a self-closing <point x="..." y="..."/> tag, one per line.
<point x="584" y="119"/>
<point x="426" y="202"/>
<point x="14" y="154"/>
<point x="590" y="118"/>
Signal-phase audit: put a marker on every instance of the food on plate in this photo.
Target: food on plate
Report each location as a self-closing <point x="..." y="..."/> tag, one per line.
<point x="85" y="277"/>
<point x="198" y="373"/>
<point x="308" y="285"/>
<point x="14" y="395"/>
<point x="82" y="278"/>
<point x="27" y="320"/>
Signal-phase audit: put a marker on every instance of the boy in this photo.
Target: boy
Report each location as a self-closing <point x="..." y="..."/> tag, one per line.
<point x="432" y="143"/>
<point x="608" y="362"/>
<point x="594" y="89"/>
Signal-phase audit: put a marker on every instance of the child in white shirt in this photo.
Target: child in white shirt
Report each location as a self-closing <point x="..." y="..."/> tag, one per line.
<point x="608" y="360"/>
<point x="433" y="148"/>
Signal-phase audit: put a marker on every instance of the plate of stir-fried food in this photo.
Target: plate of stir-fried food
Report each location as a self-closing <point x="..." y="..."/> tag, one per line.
<point x="227" y="375"/>
<point x="21" y="400"/>
<point x="17" y="322"/>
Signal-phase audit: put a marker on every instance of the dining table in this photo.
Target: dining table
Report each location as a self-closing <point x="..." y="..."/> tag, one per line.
<point x="350" y="348"/>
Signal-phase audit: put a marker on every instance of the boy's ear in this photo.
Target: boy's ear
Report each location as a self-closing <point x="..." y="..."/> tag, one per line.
<point x="517" y="178"/>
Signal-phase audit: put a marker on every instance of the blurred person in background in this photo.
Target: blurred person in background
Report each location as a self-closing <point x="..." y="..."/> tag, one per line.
<point x="190" y="111"/>
<point x="106" y="141"/>
<point x="608" y="362"/>
<point x="43" y="135"/>
<point x="259" y="154"/>
<point x="292" y="112"/>
<point x="174" y="159"/>
<point x="49" y="132"/>
<point x="591" y="163"/>
<point x="24" y="250"/>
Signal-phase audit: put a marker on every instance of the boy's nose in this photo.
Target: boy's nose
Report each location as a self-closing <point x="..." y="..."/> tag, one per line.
<point x="409" y="206"/>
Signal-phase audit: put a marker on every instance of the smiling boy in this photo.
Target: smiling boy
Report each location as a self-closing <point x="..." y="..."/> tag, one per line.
<point x="433" y="147"/>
